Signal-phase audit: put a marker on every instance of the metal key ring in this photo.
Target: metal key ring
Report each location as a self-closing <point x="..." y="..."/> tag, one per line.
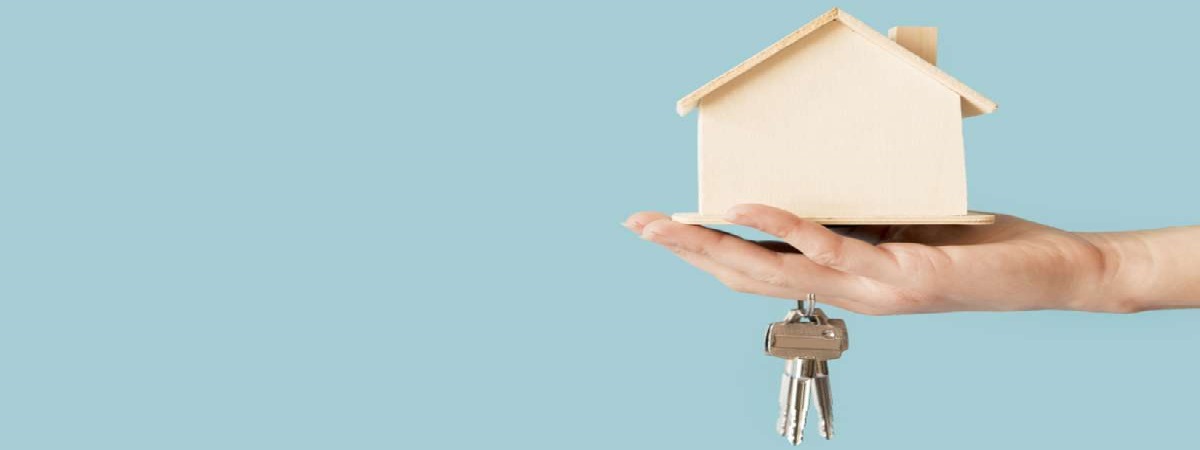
<point x="807" y="305"/>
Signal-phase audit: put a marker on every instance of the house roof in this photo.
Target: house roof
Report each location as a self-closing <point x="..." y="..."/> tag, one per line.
<point x="973" y="103"/>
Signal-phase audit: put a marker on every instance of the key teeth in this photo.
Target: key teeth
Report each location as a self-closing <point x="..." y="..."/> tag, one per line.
<point x="826" y="430"/>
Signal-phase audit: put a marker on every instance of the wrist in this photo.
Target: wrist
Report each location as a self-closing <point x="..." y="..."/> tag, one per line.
<point x="1125" y="265"/>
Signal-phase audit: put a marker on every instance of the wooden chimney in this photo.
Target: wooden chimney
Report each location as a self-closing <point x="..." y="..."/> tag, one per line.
<point x="919" y="40"/>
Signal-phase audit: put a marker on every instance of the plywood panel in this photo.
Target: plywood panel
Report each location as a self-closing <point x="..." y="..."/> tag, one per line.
<point x="833" y="126"/>
<point x="971" y="218"/>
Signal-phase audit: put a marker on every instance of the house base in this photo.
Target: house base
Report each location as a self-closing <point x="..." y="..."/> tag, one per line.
<point x="971" y="218"/>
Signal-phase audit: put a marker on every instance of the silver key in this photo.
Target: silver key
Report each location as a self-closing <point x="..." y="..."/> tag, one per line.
<point x="807" y="339"/>
<point x="794" y="397"/>
<point x="824" y="398"/>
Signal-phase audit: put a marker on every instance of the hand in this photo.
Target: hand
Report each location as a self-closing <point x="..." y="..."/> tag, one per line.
<point x="1013" y="264"/>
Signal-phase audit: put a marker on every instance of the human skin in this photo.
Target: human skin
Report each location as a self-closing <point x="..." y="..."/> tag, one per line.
<point x="1011" y="265"/>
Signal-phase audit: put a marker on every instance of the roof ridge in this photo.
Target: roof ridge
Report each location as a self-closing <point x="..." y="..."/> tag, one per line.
<point x="973" y="102"/>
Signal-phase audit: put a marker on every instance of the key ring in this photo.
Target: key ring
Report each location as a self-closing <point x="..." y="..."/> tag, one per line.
<point x="805" y="310"/>
<point x="807" y="305"/>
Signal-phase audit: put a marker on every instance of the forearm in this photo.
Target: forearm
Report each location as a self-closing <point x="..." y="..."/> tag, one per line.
<point x="1146" y="270"/>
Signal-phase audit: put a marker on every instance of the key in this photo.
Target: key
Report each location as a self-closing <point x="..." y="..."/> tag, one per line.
<point x="824" y="398"/>
<point x="794" y="397"/>
<point x="821" y="388"/>
<point x="807" y="339"/>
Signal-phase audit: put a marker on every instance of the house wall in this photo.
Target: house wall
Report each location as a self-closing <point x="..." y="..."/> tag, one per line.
<point x="833" y="126"/>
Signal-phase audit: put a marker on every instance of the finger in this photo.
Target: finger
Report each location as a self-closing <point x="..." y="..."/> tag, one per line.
<point x="813" y="278"/>
<point x="832" y="286"/>
<point x="639" y="220"/>
<point x="723" y="248"/>
<point x="739" y="282"/>
<point x="792" y="272"/>
<point x="818" y="243"/>
<point x="731" y="278"/>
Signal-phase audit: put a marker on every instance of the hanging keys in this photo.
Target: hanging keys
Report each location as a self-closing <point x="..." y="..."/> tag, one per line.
<point x="807" y="339"/>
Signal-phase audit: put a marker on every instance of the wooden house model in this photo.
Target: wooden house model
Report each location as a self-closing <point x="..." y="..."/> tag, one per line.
<point x="839" y="124"/>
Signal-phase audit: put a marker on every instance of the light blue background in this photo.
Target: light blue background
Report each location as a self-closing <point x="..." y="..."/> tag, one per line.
<point x="384" y="225"/>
